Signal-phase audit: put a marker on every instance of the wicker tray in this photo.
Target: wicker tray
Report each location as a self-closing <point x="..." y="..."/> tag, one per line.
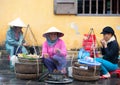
<point x="26" y="60"/>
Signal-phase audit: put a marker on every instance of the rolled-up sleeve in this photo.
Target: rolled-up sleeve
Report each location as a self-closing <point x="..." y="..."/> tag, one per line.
<point x="10" y="39"/>
<point x="44" y="48"/>
<point x="63" y="49"/>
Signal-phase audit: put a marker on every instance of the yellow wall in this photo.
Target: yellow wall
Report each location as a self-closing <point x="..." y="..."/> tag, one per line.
<point x="39" y="14"/>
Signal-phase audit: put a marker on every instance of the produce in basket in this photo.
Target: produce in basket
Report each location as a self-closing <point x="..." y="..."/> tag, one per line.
<point x="31" y="57"/>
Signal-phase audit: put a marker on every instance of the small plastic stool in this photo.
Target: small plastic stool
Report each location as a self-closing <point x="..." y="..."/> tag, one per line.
<point x="117" y="72"/>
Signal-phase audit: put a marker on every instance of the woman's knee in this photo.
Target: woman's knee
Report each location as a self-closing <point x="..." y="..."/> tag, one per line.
<point x="56" y="57"/>
<point x="47" y="60"/>
<point x="98" y="59"/>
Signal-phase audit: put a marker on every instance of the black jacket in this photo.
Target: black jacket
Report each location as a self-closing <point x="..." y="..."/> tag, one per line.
<point x="111" y="53"/>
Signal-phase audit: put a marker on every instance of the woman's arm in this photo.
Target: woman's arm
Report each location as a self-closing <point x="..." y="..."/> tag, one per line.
<point x="10" y="39"/>
<point x="44" y="50"/>
<point x="112" y="50"/>
<point x="62" y="51"/>
<point x="103" y="50"/>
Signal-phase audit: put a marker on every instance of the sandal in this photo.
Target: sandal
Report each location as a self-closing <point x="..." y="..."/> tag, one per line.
<point x="104" y="77"/>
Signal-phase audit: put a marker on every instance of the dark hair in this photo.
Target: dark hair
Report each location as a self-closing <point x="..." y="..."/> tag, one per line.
<point x="116" y="39"/>
<point x="115" y="36"/>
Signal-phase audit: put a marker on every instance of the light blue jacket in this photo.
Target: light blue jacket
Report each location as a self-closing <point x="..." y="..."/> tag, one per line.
<point x="11" y="42"/>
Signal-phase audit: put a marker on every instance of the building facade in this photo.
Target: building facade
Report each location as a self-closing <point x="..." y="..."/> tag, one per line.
<point x="73" y="17"/>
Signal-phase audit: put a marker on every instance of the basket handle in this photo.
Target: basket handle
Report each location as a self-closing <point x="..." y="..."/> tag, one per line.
<point x="72" y="60"/>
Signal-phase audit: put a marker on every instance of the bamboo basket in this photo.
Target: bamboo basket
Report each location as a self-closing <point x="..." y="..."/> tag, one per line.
<point x="27" y="68"/>
<point x="27" y="76"/>
<point x="90" y="74"/>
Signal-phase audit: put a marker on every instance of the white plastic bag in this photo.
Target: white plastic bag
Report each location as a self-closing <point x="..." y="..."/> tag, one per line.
<point x="14" y="59"/>
<point x="70" y="71"/>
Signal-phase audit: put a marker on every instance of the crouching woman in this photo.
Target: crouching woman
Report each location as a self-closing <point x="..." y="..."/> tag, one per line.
<point x="54" y="51"/>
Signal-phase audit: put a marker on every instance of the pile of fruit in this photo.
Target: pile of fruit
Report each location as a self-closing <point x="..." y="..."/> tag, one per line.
<point x="30" y="57"/>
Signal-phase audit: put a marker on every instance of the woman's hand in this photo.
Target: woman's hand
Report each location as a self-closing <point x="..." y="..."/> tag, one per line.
<point x="24" y="44"/>
<point x="45" y="55"/>
<point x="94" y="46"/>
<point x="57" y="50"/>
<point x="104" y="43"/>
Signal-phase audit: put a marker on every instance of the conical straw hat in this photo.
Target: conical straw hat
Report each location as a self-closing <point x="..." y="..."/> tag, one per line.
<point x="53" y="29"/>
<point x="17" y="22"/>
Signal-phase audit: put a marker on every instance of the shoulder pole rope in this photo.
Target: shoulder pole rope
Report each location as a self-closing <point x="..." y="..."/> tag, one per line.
<point x="94" y="51"/>
<point x="93" y="47"/>
<point x="22" y="40"/>
<point x="28" y="27"/>
<point x="37" y="59"/>
<point x="33" y="37"/>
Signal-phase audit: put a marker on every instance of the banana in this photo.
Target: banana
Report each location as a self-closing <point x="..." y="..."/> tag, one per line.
<point x="20" y="55"/>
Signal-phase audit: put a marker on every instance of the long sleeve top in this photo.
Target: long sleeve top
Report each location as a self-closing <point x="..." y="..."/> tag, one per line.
<point x="12" y="42"/>
<point x="50" y="50"/>
<point x="111" y="53"/>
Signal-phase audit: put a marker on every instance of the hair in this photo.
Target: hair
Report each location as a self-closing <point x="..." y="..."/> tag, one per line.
<point x="14" y="29"/>
<point x="115" y="36"/>
<point x="116" y="39"/>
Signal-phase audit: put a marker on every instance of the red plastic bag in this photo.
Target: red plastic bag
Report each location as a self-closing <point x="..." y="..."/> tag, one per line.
<point x="89" y="43"/>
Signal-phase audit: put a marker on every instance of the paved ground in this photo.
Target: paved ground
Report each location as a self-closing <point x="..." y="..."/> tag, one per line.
<point x="8" y="78"/>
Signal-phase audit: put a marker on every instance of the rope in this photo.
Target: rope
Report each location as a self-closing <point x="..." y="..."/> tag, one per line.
<point x="22" y="40"/>
<point x="93" y="47"/>
<point x="32" y="37"/>
<point x="94" y="54"/>
<point x="72" y="60"/>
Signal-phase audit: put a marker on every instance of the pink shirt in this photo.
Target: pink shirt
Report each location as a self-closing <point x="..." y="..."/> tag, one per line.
<point x="51" y="49"/>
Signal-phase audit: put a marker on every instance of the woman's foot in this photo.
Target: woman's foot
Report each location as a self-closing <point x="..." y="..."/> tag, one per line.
<point x="105" y="76"/>
<point x="63" y="71"/>
<point x="56" y="71"/>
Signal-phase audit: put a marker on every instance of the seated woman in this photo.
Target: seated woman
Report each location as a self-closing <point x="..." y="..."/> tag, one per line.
<point x="54" y="51"/>
<point x="110" y="52"/>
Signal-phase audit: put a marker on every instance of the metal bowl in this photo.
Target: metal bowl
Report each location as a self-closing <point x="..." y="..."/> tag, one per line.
<point x="57" y="76"/>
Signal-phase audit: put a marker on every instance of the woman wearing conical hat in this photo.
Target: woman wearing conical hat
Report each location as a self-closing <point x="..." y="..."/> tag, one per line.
<point x="54" y="50"/>
<point x="14" y="38"/>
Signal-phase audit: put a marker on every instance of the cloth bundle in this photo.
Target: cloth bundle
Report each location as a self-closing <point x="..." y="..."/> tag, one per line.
<point x="84" y="58"/>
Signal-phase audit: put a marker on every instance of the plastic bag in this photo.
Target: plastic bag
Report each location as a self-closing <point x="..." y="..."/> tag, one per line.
<point x="14" y="59"/>
<point x="83" y="53"/>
